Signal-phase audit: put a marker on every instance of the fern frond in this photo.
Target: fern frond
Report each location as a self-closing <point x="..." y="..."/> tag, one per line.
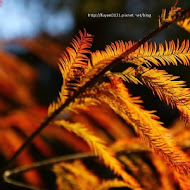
<point x="169" y="53"/>
<point x="97" y="145"/>
<point x="111" y="51"/>
<point x="99" y="59"/>
<point x="168" y="89"/>
<point x="147" y="54"/>
<point x="72" y="64"/>
<point x="146" y="125"/>
<point x="115" y="183"/>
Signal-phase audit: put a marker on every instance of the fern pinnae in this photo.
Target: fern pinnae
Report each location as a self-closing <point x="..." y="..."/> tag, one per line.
<point x="72" y="64"/>
<point x="97" y="145"/>
<point x="168" y="89"/>
<point x="146" y="125"/>
<point x="169" y="53"/>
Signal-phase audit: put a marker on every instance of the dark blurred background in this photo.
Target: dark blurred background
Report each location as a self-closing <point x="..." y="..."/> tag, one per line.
<point x="23" y="22"/>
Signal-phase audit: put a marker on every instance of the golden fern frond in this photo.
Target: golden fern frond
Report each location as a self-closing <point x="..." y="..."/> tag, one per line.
<point x="74" y="61"/>
<point x="97" y="145"/>
<point x="110" y="52"/>
<point x="148" y="54"/>
<point x="169" y="53"/>
<point x="145" y="124"/>
<point x="168" y="89"/>
<point x="72" y="64"/>
<point x="114" y="183"/>
<point x="99" y="59"/>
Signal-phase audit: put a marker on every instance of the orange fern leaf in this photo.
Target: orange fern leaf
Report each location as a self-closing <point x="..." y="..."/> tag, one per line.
<point x="146" y="125"/>
<point x="168" y="89"/>
<point x="147" y="54"/>
<point x="97" y="145"/>
<point x="72" y="65"/>
<point x="169" y="53"/>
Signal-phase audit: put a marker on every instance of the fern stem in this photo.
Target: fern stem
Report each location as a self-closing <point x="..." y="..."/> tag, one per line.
<point x="7" y="175"/>
<point x="89" y="84"/>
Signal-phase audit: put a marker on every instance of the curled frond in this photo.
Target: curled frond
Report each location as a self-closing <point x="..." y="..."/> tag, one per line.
<point x="168" y="89"/>
<point x="146" y="125"/>
<point x="97" y="145"/>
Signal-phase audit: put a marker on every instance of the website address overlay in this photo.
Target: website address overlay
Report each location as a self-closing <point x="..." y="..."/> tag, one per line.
<point x="119" y="15"/>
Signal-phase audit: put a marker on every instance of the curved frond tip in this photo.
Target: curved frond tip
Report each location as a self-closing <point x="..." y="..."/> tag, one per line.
<point x="72" y="64"/>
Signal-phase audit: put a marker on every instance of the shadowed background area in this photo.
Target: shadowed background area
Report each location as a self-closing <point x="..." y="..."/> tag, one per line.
<point x="34" y="33"/>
